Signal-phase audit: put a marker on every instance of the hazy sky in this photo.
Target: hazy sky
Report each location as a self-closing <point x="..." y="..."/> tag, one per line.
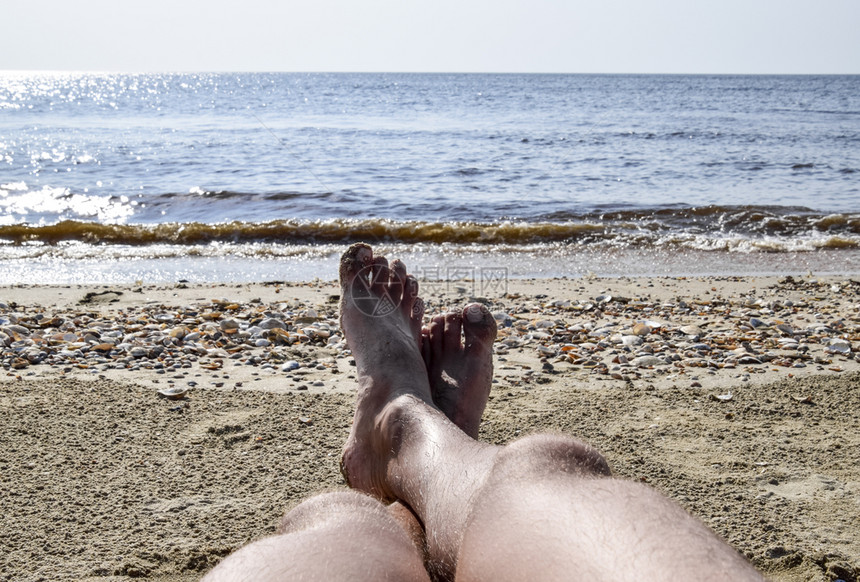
<point x="598" y="36"/>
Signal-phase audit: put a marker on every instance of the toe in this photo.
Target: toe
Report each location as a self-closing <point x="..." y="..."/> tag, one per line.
<point x="437" y="332"/>
<point x="356" y="257"/>
<point x="479" y="326"/>
<point x="411" y="304"/>
<point x="397" y="284"/>
<point x="398" y="270"/>
<point x="453" y="327"/>
<point x="381" y="276"/>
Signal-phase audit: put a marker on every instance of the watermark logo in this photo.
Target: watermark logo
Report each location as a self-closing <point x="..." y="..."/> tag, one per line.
<point x="472" y="281"/>
<point x="377" y="298"/>
<point x="369" y="302"/>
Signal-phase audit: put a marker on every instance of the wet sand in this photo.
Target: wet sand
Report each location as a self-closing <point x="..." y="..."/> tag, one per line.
<point x="749" y="424"/>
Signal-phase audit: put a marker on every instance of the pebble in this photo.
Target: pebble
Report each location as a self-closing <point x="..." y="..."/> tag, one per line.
<point x="272" y="323"/>
<point x="641" y="329"/>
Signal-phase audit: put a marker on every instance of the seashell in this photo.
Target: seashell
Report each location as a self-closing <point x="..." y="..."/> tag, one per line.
<point x="503" y="318"/>
<point x="646" y="361"/>
<point x="138" y="352"/>
<point x="179" y="332"/>
<point x="839" y="346"/>
<point x="690" y="330"/>
<point x="785" y="328"/>
<point x="722" y="397"/>
<point x="174" y="393"/>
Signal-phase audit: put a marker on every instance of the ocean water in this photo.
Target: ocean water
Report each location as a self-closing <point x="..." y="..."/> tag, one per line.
<point x="109" y="178"/>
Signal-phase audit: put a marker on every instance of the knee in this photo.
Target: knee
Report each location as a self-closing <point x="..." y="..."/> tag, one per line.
<point x="545" y="454"/>
<point x="336" y="505"/>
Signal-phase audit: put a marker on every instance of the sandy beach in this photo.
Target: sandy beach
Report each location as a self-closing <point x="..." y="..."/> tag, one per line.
<point x="738" y="397"/>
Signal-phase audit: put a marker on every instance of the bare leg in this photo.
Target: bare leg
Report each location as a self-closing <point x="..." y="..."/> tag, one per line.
<point x="343" y="536"/>
<point x="543" y="507"/>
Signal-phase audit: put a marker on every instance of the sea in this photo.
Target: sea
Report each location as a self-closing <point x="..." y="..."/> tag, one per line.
<point x="243" y="177"/>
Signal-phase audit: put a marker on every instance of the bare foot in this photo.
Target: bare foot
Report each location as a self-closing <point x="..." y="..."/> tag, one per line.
<point x="460" y="373"/>
<point x="381" y="320"/>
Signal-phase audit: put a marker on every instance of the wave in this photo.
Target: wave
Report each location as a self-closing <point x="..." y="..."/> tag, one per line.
<point x="750" y="229"/>
<point x="299" y="232"/>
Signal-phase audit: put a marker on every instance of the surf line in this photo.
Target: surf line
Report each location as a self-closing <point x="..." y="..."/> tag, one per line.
<point x="290" y="151"/>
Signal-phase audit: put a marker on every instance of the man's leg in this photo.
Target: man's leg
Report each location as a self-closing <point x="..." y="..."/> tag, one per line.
<point x="343" y="536"/>
<point x="317" y="539"/>
<point x="543" y="507"/>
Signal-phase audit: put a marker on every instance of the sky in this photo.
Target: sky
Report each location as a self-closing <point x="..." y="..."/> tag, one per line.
<point x="558" y="36"/>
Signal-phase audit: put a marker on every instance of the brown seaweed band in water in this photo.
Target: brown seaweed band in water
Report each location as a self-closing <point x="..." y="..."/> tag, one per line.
<point x="658" y="227"/>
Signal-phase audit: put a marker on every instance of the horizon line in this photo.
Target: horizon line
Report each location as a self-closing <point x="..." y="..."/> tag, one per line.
<point x="394" y="72"/>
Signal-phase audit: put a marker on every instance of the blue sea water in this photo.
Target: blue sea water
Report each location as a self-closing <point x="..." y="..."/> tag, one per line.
<point x="208" y="177"/>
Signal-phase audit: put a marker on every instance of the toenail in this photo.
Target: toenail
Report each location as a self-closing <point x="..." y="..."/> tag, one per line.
<point x="474" y="314"/>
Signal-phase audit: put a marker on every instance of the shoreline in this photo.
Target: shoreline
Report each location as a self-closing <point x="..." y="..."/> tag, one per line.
<point x="733" y="395"/>
<point x="252" y="263"/>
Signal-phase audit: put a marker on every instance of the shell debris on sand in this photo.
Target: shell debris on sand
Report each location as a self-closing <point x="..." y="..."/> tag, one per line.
<point x="794" y="325"/>
<point x="791" y="326"/>
<point x="175" y="393"/>
<point x="201" y="336"/>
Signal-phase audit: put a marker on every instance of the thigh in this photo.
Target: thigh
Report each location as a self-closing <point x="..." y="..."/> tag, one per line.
<point x="343" y="536"/>
<point x="560" y="516"/>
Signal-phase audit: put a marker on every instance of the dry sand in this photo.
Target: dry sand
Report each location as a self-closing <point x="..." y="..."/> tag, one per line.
<point x="101" y="479"/>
